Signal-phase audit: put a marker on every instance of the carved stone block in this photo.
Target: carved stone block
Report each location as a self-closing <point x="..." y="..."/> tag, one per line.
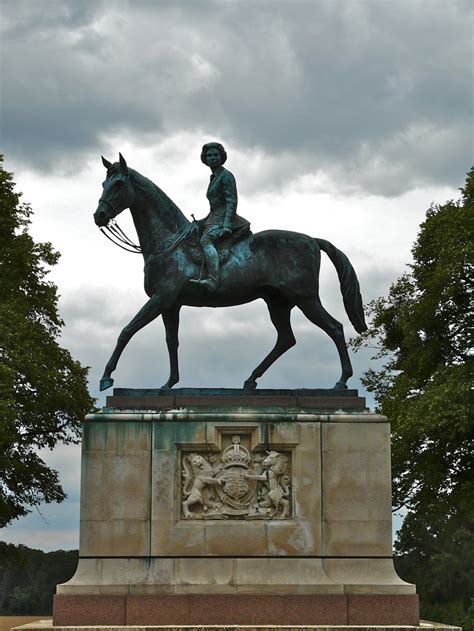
<point x="238" y="501"/>
<point x="235" y="483"/>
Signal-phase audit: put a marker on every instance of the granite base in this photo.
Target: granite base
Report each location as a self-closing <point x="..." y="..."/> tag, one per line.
<point x="226" y="609"/>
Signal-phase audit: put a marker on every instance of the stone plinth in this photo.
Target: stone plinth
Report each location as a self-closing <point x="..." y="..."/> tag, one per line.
<point x="47" y="625"/>
<point x="219" y="507"/>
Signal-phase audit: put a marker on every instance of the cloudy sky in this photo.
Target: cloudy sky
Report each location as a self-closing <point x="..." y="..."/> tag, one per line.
<point x="343" y="119"/>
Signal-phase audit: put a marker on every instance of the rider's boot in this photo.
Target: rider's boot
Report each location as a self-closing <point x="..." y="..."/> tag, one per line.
<point x="211" y="260"/>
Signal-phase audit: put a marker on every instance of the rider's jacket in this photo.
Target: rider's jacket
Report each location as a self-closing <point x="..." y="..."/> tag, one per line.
<point x="222" y="196"/>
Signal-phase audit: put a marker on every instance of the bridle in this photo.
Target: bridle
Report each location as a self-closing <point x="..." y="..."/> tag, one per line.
<point x="118" y="236"/>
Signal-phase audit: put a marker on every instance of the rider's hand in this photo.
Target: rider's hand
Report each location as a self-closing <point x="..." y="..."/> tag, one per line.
<point x="225" y="230"/>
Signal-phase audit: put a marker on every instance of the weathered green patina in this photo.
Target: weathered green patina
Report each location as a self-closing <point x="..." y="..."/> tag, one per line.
<point x="222" y="219"/>
<point x="278" y="266"/>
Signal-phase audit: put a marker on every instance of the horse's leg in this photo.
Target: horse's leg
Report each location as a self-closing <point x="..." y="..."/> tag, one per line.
<point x="147" y="314"/>
<point x="171" y="322"/>
<point x="286" y="507"/>
<point x="280" y="316"/>
<point x="317" y="314"/>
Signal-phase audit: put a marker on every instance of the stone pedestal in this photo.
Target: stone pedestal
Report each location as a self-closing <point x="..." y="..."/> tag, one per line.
<point x="219" y="507"/>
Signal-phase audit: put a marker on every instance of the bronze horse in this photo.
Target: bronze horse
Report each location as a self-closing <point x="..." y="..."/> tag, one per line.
<point x="279" y="266"/>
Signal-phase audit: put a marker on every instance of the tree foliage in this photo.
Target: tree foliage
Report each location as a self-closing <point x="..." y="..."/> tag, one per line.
<point x="423" y="331"/>
<point x="43" y="391"/>
<point x="28" y="578"/>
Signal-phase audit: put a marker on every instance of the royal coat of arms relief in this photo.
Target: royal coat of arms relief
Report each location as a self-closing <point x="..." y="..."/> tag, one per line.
<point x="235" y="484"/>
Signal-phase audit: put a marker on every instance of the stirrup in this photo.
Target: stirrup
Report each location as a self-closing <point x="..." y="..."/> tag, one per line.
<point x="210" y="282"/>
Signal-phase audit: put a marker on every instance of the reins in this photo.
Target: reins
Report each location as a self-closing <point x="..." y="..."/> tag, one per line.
<point x="119" y="238"/>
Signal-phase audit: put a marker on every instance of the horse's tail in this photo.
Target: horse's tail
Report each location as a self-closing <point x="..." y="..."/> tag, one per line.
<point x="188" y="477"/>
<point x="350" y="288"/>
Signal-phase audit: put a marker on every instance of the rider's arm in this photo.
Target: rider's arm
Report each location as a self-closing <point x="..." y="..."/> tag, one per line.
<point x="230" y="194"/>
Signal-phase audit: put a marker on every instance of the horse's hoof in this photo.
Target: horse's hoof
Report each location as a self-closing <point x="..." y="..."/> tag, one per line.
<point x="340" y="386"/>
<point x="106" y="383"/>
<point x="250" y="385"/>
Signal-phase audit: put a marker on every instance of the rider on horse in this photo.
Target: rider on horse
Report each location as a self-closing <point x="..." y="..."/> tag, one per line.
<point x="222" y="219"/>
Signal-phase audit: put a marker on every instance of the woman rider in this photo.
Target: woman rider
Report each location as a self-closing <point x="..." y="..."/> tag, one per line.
<point x="222" y="219"/>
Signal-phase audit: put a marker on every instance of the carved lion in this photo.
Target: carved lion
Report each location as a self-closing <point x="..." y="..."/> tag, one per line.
<point x="197" y="474"/>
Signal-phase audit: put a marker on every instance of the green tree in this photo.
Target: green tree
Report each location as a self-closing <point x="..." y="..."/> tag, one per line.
<point x="423" y="333"/>
<point x="43" y="391"/>
<point x="28" y="577"/>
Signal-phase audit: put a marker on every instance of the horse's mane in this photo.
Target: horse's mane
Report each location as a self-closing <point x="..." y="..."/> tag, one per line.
<point x="281" y="465"/>
<point x="148" y="187"/>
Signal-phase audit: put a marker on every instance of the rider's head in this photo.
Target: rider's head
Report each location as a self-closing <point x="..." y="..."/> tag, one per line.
<point x="210" y="148"/>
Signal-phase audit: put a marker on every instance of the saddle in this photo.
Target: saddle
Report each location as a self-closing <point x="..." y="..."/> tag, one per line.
<point x="223" y="246"/>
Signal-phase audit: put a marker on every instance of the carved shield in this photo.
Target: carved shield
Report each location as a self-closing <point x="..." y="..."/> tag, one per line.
<point x="236" y="485"/>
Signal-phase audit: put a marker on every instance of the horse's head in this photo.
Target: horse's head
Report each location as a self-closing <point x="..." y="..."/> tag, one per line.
<point x="276" y="461"/>
<point x="118" y="192"/>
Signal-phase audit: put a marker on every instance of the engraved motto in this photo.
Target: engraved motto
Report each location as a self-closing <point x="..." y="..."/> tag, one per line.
<point x="235" y="484"/>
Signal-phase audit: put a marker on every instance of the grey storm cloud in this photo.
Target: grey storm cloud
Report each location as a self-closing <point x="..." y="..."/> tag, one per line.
<point x="376" y="94"/>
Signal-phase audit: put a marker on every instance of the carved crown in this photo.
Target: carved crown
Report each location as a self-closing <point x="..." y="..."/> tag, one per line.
<point x="236" y="455"/>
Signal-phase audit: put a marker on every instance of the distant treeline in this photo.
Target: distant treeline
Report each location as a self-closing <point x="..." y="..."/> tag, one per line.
<point x="28" y="580"/>
<point x="28" y="577"/>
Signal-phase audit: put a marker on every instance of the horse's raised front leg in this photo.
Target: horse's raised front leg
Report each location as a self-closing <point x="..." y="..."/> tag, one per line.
<point x="147" y="314"/>
<point x="317" y="314"/>
<point x="171" y="322"/>
<point x="280" y="315"/>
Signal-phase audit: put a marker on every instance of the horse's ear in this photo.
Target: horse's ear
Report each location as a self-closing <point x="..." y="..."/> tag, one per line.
<point x="106" y="163"/>
<point x="123" y="165"/>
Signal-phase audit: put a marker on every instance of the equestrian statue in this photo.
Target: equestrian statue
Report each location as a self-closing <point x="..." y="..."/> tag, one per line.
<point x="218" y="262"/>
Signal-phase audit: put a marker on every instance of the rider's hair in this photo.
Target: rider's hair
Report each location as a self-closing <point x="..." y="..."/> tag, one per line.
<point x="213" y="145"/>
